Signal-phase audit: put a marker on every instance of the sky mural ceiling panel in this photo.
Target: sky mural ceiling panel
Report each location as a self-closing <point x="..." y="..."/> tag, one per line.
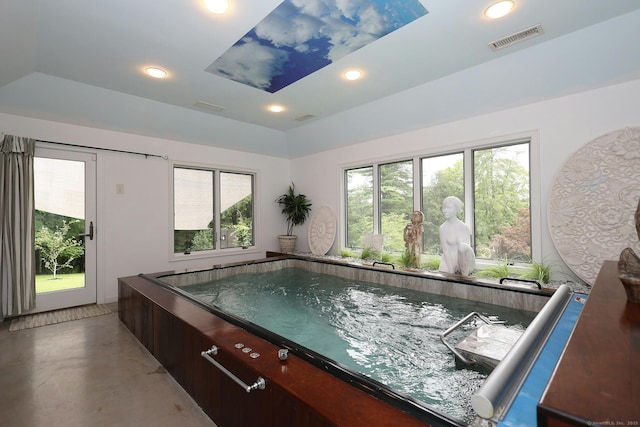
<point x="302" y="36"/>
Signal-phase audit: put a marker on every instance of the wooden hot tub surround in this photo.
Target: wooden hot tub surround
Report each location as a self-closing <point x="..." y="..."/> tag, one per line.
<point x="297" y="393"/>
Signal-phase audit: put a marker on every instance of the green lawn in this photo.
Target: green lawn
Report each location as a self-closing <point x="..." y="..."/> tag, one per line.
<point x="46" y="283"/>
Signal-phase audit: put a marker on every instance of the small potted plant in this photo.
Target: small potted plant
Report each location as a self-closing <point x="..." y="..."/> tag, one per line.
<point x="295" y="208"/>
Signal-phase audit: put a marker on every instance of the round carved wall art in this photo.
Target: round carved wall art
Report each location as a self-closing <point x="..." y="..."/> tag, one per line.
<point x="593" y="200"/>
<point x="322" y="230"/>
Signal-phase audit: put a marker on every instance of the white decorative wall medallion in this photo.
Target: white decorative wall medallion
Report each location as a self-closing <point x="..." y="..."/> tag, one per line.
<point x="593" y="200"/>
<point x="322" y="230"/>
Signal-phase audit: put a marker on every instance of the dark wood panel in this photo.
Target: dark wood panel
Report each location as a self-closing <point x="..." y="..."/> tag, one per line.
<point x="597" y="379"/>
<point x="136" y="312"/>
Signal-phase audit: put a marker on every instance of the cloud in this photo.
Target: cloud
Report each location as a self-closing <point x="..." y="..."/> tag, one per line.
<point x="373" y="22"/>
<point x="286" y="26"/>
<point x="315" y="7"/>
<point x="347" y="25"/>
<point x="250" y="63"/>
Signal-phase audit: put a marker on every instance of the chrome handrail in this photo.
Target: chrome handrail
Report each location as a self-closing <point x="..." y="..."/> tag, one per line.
<point x="456" y="326"/>
<point x="259" y="384"/>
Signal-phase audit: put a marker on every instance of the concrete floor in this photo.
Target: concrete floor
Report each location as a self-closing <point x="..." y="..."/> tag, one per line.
<point x="89" y="372"/>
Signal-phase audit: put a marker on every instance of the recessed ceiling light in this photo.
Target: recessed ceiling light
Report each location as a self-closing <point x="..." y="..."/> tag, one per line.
<point x="217" y="6"/>
<point x="155" y="72"/>
<point x="499" y="9"/>
<point x="275" y="108"/>
<point x="352" y="74"/>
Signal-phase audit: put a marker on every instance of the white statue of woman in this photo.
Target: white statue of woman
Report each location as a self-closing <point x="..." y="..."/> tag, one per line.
<point x="455" y="238"/>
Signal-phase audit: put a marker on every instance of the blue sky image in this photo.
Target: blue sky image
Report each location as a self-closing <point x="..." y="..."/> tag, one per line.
<point x="302" y="36"/>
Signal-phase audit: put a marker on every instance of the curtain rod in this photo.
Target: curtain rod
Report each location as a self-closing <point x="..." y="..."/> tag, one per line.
<point x="146" y="155"/>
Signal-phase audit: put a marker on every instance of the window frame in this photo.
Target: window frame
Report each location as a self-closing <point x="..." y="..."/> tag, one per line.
<point x="467" y="148"/>
<point x="345" y="201"/>
<point x="378" y="193"/>
<point x="469" y="156"/>
<point x="218" y="251"/>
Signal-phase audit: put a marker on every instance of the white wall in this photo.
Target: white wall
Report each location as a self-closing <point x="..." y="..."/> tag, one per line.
<point x="563" y="124"/>
<point x="133" y="229"/>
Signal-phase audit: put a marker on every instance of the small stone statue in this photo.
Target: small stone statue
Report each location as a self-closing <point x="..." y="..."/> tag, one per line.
<point x="629" y="267"/>
<point x="413" y="238"/>
<point x="455" y="238"/>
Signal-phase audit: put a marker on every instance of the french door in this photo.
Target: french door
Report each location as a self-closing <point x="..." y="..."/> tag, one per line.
<point x="66" y="231"/>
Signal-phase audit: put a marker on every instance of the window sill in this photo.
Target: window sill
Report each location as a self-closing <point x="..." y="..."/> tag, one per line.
<point x="218" y="253"/>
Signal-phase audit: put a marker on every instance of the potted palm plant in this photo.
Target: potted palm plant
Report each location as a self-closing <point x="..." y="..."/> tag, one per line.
<point x="295" y="208"/>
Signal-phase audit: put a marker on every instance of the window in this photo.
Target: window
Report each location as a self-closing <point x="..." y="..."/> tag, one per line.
<point x="236" y="210"/>
<point x="396" y="202"/>
<point x="359" y="203"/>
<point x="211" y="210"/>
<point x="492" y="181"/>
<point x="502" y="225"/>
<point x="442" y="176"/>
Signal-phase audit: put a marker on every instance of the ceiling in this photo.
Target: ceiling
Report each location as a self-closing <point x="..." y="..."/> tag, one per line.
<point x="100" y="49"/>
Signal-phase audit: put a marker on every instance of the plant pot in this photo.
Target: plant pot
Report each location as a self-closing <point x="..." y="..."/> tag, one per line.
<point x="287" y="243"/>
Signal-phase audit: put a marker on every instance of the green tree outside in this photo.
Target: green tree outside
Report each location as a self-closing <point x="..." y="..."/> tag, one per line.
<point x="238" y="219"/>
<point x="359" y="205"/>
<point x="396" y="202"/>
<point x="501" y="186"/>
<point x="54" y="221"/>
<point x="444" y="183"/>
<point x="57" y="250"/>
<point x="501" y="197"/>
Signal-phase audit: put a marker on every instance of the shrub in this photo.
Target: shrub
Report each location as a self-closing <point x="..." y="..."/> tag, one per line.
<point x="538" y="271"/>
<point x="347" y="253"/>
<point x="432" y="263"/>
<point x="498" y="271"/>
<point x="369" y="253"/>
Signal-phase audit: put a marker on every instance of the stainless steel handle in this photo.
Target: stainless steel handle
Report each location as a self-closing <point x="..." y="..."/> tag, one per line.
<point x="459" y="323"/>
<point x="259" y="384"/>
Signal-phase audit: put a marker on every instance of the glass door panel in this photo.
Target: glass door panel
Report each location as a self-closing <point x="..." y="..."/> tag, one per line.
<point x="65" y="237"/>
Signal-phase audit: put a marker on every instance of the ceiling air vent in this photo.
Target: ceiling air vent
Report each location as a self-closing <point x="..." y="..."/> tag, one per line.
<point x="209" y="107"/>
<point x="305" y="117"/>
<point x="525" y="34"/>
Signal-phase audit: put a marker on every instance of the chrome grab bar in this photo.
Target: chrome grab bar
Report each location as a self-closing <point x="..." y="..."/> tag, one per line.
<point x="259" y="384"/>
<point x="456" y="326"/>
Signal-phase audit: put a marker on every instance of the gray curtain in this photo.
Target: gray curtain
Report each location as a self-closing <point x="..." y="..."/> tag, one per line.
<point x="17" y="221"/>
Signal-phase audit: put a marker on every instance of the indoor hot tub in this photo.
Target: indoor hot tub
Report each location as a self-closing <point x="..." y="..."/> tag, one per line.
<point x="262" y="358"/>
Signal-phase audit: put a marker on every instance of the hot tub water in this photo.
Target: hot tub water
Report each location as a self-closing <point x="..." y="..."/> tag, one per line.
<point x="386" y="333"/>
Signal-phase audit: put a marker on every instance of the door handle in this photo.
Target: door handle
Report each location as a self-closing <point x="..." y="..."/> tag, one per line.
<point x="90" y="231"/>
